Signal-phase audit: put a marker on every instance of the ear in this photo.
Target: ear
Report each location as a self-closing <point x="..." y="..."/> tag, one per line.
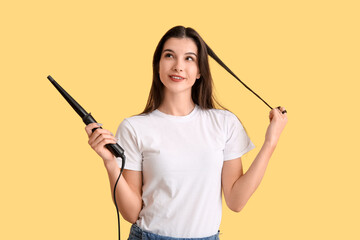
<point x="198" y="76"/>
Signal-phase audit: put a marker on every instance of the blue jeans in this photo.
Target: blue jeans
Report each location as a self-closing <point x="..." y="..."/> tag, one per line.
<point x="137" y="233"/>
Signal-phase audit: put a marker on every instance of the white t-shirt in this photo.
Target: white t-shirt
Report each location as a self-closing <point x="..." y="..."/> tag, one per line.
<point x="181" y="158"/>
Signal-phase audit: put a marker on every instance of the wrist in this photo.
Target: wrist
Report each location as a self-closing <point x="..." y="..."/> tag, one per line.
<point x="110" y="164"/>
<point x="271" y="145"/>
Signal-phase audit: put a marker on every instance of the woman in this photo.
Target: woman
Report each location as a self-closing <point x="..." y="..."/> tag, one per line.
<point x="181" y="151"/>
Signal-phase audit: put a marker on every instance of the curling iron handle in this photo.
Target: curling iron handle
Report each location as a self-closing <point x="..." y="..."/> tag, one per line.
<point x="115" y="149"/>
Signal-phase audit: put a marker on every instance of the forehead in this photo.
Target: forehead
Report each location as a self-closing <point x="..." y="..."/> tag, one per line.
<point x="181" y="45"/>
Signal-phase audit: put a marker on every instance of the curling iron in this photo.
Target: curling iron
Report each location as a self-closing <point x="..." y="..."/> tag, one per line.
<point x="115" y="149"/>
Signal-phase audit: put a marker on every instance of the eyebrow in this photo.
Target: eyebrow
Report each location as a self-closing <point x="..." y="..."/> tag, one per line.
<point x="169" y="50"/>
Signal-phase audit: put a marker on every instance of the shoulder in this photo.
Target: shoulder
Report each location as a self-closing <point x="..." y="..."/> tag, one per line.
<point x="136" y="118"/>
<point x="139" y="118"/>
<point x="226" y="118"/>
<point x="223" y="114"/>
<point x="135" y="123"/>
<point x="221" y="119"/>
<point x="130" y="127"/>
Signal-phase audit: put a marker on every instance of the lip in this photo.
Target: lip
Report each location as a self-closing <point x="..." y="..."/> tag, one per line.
<point x="176" y="80"/>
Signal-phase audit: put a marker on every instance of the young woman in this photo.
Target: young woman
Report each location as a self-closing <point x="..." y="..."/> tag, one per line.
<point x="182" y="152"/>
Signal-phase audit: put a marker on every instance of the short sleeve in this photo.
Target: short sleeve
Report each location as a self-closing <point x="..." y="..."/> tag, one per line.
<point x="237" y="141"/>
<point x="128" y="141"/>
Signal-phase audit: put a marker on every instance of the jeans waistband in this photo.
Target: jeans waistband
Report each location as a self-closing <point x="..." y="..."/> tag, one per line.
<point x="136" y="233"/>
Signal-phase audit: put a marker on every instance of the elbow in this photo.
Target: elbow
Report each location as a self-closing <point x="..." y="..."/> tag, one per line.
<point x="131" y="214"/>
<point x="237" y="207"/>
<point x="131" y="219"/>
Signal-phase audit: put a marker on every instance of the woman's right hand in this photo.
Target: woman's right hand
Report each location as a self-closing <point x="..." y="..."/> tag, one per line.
<point x="98" y="139"/>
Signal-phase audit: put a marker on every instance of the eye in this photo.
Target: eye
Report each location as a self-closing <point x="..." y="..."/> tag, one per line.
<point x="192" y="59"/>
<point x="168" y="54"/>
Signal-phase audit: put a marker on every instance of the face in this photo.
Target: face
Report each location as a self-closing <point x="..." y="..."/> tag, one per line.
<point x="179" y="59"/>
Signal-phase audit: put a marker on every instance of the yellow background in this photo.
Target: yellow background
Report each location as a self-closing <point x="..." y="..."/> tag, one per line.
<point x="303" y="55"/>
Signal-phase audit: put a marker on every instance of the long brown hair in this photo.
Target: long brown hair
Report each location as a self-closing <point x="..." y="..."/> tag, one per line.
<point x="202" y="90"/>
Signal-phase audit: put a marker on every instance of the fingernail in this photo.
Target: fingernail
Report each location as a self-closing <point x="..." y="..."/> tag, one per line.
<point x="100" y="124"/>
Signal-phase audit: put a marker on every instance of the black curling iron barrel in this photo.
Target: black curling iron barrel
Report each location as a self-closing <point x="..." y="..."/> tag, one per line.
<point x="115" y="149"/>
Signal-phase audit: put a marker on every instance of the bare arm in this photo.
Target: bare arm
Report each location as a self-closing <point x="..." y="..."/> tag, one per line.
<point x="128" y="191"/>
<point x="239" y="187"/>
<point x="129" y="187"/>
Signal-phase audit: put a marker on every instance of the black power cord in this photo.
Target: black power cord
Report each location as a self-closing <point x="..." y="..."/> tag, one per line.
<point x="117" y="209"/>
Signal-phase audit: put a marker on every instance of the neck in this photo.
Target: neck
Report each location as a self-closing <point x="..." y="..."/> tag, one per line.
<point x="177" y="104"/>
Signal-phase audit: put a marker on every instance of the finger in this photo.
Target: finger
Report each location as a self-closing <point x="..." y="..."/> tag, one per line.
<point x="283" y="111"/>
<point x="97" y="133"/>
<point x="102" y="131"/>
<point x="276" y="113"/>
<point x="99" y="145"/>
<point x="89" y="127"/>
<point x="100" y="138"/>
<point x="100" y="148"/>
<point x="273" y="112"/>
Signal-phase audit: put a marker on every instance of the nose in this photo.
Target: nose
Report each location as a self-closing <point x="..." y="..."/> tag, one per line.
<point x="178" y="66"/>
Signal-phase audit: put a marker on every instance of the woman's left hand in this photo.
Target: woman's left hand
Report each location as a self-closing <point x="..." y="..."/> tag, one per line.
<point x="277" y="124"/>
